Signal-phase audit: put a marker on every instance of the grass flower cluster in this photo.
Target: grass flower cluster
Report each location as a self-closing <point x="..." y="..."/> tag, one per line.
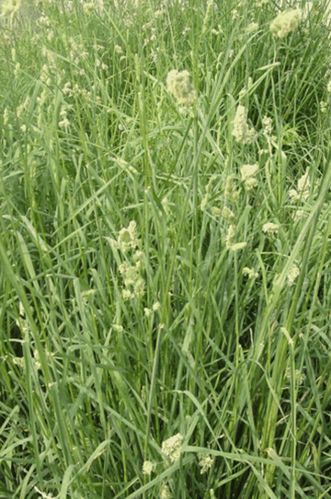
<point x="171" y="447"/>
<point x="242" y="132"/>
<point x="180" y="86"/>
<point x="165" y="223"/>
<point x="248" y="175"/>
<point x="286" y="22"/>
<point x="10" y="7"/>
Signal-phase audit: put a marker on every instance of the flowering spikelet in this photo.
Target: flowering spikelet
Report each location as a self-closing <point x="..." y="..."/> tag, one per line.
<point x="267" y="126"/>
<point x="238" y="246"/>
<point x="148" y="468"/>
<point x="299" y="376"/>
<point x="148" y="312"/>
<point x="215" y="211"/>
<point x="42" y="494"/>
<point x="230" y="191"/>
<point x="241" y="130"/>
<point x="127" y="237"/>
<point x="303" y="189"/>
<point x="250" y="273"/>
<point x="299" y="215"/>
<point x="229" y="240"/>
<point x="165" y="492"/>
<point x="227" y="213"/>
<point x="134" y="284"/>
<point x="328" y="87"/>
<point x="171" y="447"/>
<point x="131" y="269"/>
<point x="96" y="5"/>
<point x="156" y="306"/>
<point x="270" y="228"/>
<point x="205" y="463"/>
<point x="304" y="185"/>
<point x="293" y="274"/>
<point x="10" y="7"/>
<point x="251" y="28"/>
<point x="248" y="173"/>
<point x="286" y="22"/>
<point x="179" y="85"/>
<point x="323" y="106"/>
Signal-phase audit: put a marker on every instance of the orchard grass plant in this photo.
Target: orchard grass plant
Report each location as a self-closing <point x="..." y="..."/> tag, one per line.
<point x="165" y="222"/>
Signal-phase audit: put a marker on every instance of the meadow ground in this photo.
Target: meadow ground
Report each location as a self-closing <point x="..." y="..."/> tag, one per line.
<point x="165" y="283"/>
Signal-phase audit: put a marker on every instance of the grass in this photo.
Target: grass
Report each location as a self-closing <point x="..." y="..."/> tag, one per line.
<point x="229" y="348"/>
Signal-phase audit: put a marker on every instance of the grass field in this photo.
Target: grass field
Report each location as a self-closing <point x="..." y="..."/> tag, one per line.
<point x="165" y="223"/>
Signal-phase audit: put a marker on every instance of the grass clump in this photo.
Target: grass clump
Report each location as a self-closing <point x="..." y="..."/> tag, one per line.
<point x="165" y="250"/>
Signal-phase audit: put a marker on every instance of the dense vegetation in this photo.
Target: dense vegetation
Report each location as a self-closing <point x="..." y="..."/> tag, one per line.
<point x="165" y="249"/>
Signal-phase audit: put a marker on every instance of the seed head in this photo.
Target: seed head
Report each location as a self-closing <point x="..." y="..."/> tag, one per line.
<point x="205" y="463"/>
<point x="240" y="129"/>
<point x="10" y="7"/>
<point x="238" y="246"/>
<point x="127" y="237"/>
<point x="148" y="468"/>
<point x="301" y="193"/>
<point x="250" y="273"/>
<point x="286" y="22"/>
<point x="171" y="447"/>
<point x="165" y="492"/>
<point x="270" y="228"/>
<point x="293" y="274"/>
<point x="180" y="87"/>
<point x="248" y="173"/>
